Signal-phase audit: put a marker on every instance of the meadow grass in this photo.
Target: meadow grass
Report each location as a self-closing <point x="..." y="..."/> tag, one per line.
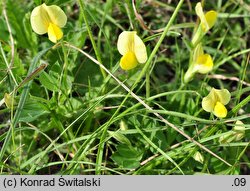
<point x="71" y="109"/>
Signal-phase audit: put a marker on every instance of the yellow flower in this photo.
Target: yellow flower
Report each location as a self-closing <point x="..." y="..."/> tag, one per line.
<point x="8" y="100"/>
<point x="48" y="19"/>
<point x="207" y="21"/>
<point x="215" y="102"/>
<point x="198" y="157"/>
<point x="236" y="134"/>
<point x="132" y="48"/>
<point x="202" y="63"/>
<point x="239" y="130"/>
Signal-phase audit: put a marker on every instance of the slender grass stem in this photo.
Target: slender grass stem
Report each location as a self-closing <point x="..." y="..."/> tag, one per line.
<point x="97" y="52"/>
<point x="148" y="84"/>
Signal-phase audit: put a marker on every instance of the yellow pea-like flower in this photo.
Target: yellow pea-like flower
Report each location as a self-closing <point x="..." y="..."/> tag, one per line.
<point x="48" y="19"/>
<point x="215" y="102"/>
<point x="8" y="100"/>
<point x="202" y="63"/>
<point x="236" y="134"/>
<point x="198" y="157"/>
<point x="132" y="49"/>
<point x="208" y="19"/>
<point x="239" y="130"/>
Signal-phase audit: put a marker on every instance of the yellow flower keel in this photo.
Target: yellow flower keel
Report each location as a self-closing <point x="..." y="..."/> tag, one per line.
<point x="204" y="63"/>
<point x="128" y="61"/>
<point x="54" y="33"/>
<point x="220" y="110"/>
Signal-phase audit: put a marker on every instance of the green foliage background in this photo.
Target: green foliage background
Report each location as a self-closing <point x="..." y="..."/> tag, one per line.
<point x="72" y="120"/>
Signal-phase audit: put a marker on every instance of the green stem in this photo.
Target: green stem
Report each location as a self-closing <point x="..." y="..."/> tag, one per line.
<point x="245" y="65"/>
<point x="7" y="65"/>
<point x="63" y="82"/>
<point x="197" y="36"/>
<point x="97" y="53"/>
<point x="148" y="84"/>
<point x="188" y="76"/>
<point x="239" y="106"/>
<point x="157" y="46"/>
<point x="100" y="152"/>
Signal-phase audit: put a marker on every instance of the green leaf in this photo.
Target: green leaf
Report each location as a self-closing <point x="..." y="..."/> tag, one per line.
<point x="56" y="2"/>
<point x="49" y="82"/>
<point x="159" y="138"/>
<point x="38" y="2"/>
<point x="32" y="110"/>
<point x="16" y="14"/>
<point x="127" y="156"/>
<point x="67" y="84"/>
<point x="120" y="137"/>
<point x="125" y="163"/>
<point x="3" y="30"/>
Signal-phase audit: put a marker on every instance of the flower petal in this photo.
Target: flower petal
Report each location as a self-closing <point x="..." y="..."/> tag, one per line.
<point x="208" y="102"/>
<point x="140" y="49"/>
<point x="200" y="13"/>
<point x="227" y="138"/>
<point x="211" y="17"/>
<point x="239" y="126"/>
<point x="125" y="42"/>
<point x="198" y="51"/>
<point x="56" y="15"/>
<point x="39" y="19"/>
<point x="239" y="130"/>
<point x="223" y="95"/>
<point x="128" y="61"/>
<point x="220" y="110"/>
<point x="8" y="100"/>
<point x="204" y="64"/>
<point x="54" y="32"/>
<point x="198" y="157"/>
